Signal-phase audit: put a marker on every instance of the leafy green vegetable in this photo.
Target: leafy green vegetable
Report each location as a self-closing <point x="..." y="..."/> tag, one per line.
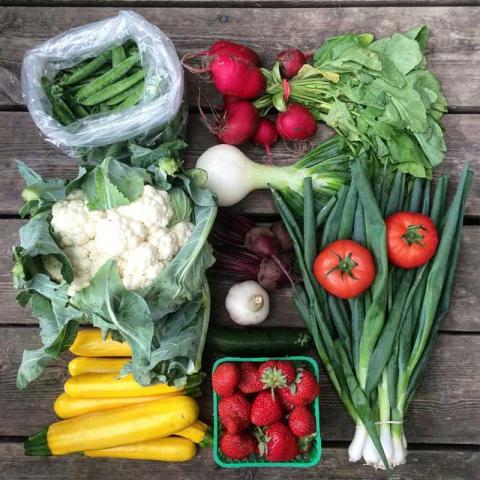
<point x="165" y="324"/>
<point x="378" y="95"/>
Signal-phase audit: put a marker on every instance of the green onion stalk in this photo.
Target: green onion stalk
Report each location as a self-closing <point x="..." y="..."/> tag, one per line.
<point x="375" y="347"/>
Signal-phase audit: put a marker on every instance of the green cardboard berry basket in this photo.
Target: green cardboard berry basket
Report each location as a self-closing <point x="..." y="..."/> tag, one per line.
<point x="309" y="459"/>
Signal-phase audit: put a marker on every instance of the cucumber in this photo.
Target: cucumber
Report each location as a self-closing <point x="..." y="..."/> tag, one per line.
<point x="257" y="341"/>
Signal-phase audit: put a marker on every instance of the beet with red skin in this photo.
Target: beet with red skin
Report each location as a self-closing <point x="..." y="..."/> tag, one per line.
<point x="234" y="76"/>
<point x="270" y="275"/>
<point x="262" y="242"/>
<point x="240" y="121"/>
<point x="282" y="236"/>
<point x="291" y="61"/>
<point x="296" y="123"/>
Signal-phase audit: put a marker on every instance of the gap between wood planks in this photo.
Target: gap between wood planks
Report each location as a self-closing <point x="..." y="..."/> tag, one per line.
<point x="285" y="4"/>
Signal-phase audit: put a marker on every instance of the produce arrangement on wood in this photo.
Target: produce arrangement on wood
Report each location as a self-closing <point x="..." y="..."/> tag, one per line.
<point x="367" y="242"/>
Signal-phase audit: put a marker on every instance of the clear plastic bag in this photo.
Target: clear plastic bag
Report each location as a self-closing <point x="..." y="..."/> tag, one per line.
<point x="163" y="92"/>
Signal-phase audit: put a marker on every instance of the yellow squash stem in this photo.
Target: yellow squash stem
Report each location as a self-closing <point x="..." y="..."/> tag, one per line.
<point x="197" y="432"/>
<point x="66" y="406"/>
<point x="116" y="427"/>
<point x="109" y="385"/>
<point x="89" y="343"/>
<point x="80" y="365"/>
<point x="170" y="449"/>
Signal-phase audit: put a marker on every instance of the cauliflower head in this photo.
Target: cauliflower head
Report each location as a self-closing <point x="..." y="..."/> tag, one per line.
<point x="137" y="236"/>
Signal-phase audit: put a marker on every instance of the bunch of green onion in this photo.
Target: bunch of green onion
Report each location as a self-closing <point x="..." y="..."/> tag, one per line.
<point x="375" y="347"/>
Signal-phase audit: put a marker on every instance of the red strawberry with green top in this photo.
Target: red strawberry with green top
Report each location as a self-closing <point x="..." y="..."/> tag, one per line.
<point x="277" y="373"/>
<point x="301" y="422"/>
<point x="266" y="409"/>
<point x="237" y="445"/>
<point x="302" y="391"/>
<point x="249" y="379"/>
<point x="225" y="378"/>
<point x="277" y="443"/>
<point x="234" y="412"/>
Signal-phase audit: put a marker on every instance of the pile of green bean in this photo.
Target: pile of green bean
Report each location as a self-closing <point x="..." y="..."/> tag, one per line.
<point x="112" y="81"/>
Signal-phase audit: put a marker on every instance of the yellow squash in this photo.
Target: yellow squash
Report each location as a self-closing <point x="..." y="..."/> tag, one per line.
<point x="66" y="406"/>
<point x="80" y="365"/>
<point x="170" y="449"/>
<point x="195" y="432"/>
<point x="89" y="343"/>
<point x="108" y="385"/>
<point x="116" y="427"/>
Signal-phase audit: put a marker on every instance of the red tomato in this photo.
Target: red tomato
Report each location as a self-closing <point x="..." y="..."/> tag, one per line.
<point x="412" y="239"/>
<point x="344" y="268"/>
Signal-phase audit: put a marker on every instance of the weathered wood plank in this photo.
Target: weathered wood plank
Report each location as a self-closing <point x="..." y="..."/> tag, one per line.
<point x="423" y="464"/>
<point x="452" y="49"/>
<point x="446" y="409"/>
<point x="462" y="316"/>
<point x="19" y="140"/>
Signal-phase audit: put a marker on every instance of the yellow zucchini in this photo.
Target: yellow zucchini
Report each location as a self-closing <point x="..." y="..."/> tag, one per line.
<point x="66" y="406"/>
<point x="170" y="449"/>
<point x="109" y="385"/>
<point x="89" y="343"/>
<point x="116" y="427"/>
<point x="80" y="365"/>
<point x="195" y="432"/>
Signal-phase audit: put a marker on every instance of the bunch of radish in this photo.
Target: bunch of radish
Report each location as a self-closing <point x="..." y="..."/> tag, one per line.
<point x="235" y="72"/>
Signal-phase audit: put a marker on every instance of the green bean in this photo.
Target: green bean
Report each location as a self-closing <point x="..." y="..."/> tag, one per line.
<point x="132" y="99"/>
<point x="114" y="89"/>
<point x="75" y="107"/>
<point x="122" y="96"/>
<point x="116" y="73"/>
<point x="118" y="55"/>
<point x="88" y="69"/>
<point x="104" y="108"/>
<point x="60" y="110"/>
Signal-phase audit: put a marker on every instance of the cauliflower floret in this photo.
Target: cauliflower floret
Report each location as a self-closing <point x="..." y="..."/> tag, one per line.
<point x="153" y="208"/>
<point x="141" y="266"/>
<point x="182" y="232"/>
<point x="136" y="236"/>
<point x="72" y="221"/>
<point x="165" y="243"/>
<point x="115" y="234"/>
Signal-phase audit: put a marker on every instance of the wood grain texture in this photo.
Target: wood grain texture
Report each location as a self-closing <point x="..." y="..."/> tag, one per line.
<point x="423" y="464"/>
<point x="462" y="316"/>
<point x="452" y="49"/>
<point x="19" y="140"/>
<point x="445" y="410"/>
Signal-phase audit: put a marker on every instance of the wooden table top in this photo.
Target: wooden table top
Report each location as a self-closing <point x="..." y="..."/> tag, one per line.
<point x="443" y="424"/>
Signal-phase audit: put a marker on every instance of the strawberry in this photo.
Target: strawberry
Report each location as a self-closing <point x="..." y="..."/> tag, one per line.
<point x="301" y="422"/>
<point x="301" y="392"/>
<point x="237" y="445"/>
<point x="249" y="379"/>
<point x="234" y="412"/>
<point x="225" y="378"/>
<point x="277" y="443"/>
<point x="277" y="373"/>
<point x="285" y="396"/>
<point x="266" y="409"/>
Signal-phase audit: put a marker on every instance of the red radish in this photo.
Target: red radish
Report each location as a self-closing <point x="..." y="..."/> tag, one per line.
<point x="221" y="47"/>
<point x="291" y="61"/>
<point x="227" y="99"/>
<point x="234" y="76"/>
<point x="266" y="136"/>
<point x="237" y="50"/>
<point x="240" y="122"/>
<point x="296" y="123"/>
